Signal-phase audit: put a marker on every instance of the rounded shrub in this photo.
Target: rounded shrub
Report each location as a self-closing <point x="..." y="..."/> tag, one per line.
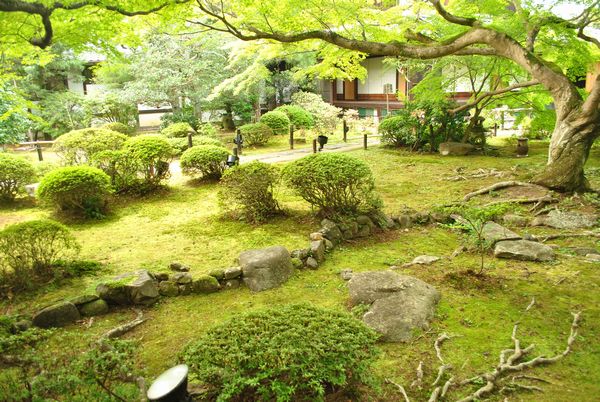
<point x="281" y="353"/>
<point x="152" y="155"/>
<point x="119" y="128"/>
<point x="177" y="130"/>
<point x="278" y="121"/>
<point x="299" y="118"/>
<point x="181" y="144"/>
<point x="15" y="173"/>
<point x="207" y="129"/>
<point x="206" y="161"/>
<point x="76" y="189"/>
<point x="399" y="130"/>
<point x="336" y="184"/>
<point x="248" y="190"/>
<point x="31" y="250"/>
<point x="78" y="146"/>
<point x="256" y="134"/>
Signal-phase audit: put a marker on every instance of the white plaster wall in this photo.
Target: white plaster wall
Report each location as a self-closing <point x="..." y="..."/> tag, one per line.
<point x="339" y="84"/>
<point x="379" y="74"/>
<point x="75" y="86"/>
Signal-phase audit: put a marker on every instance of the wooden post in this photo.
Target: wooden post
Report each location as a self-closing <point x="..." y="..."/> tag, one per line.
<point x="238" y="136"/>
<point x="365" y="141"/>
<point x="345" y="129"/>
<point x="291" y="136"/>
<point x="38" y="148"/>
<point x="235" y="152"/>
<point x="314" y="146"/>
<point x="190" y="141"/>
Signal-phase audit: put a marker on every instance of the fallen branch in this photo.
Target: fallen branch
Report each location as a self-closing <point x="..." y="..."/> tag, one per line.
<point x="400" y="388"/>
<point x="419" y="381"/>
<point x="437" y="345"/>
<point x="565" y="235"/>
<point x="546" y="199"/>
<point x="530" y="304"/>
<point x="497" y="186"/>
<point x="123" y="329"/>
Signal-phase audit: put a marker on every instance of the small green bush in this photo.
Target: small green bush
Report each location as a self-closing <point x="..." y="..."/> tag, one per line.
<point x="326" y="116"/>
<point x="207" y="129"/>
<point x="283" y="353"/>
<point x="15" y="173"/>
<point x="248" y="189"/>
<point x="181" y="144"/>
<point x="278" y="121"/>
<point x="43" y="168"/>
<point x="119" y="128"/>
<point x="299" y="118"/>
<point x="184" y="115"/>
<point x="152" y="155"/>
<point x="122" y="170"/>
<point x="177" y="130"/>
<point x="81" y="190"/>
<point x="399" y="130"/>
<point x="78" y="146"/>
<point x="206" y="161"/>
<point x="337" y="184"/>
<point x="256" y="134"/>
<point x="30" y="250"/>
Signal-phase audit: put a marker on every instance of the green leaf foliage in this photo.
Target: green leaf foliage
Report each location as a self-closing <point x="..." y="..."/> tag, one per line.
<point x="335" y="183"/>
<point x="204" y="161"/>
<point x="177" y="130"/>
<point x="119" y="128"/>
<point x="15" y="173"/>
<point x="299" y="118"/>
<point x="181" y="144"/>
<point x="279" y="122"/>
<point x="78" y="190"/>
<point x="29" y="251"/>
<point x="283" y="353"/>
<point x="247" y="191"/>
<point x="152" y="155"/>
<point x="256" y="134"/>
<point x="78" y="146"/>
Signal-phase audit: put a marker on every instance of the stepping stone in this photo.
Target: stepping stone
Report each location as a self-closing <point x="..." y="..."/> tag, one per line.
<point x="524" y="250"/>
<point x="493" y="233"/>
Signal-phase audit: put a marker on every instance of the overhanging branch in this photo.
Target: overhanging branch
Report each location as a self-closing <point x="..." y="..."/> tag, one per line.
<point x="500" y="91"/>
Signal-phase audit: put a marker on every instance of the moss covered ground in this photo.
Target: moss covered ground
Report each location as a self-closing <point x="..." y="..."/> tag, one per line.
<point x="183" y="224"/>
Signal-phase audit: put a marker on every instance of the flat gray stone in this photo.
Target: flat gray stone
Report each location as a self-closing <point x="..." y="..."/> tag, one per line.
<point x="79" y="300"/>
<point x="567" y="220"/>
<point x="311" y="263"/>
<point x="425" y="259"/>
<point x="181" y="278"/>
<point x="57" y="315"/>
<point x="232" y="273"/>
<point x="131" y="288"/>
<point x="524" y="250"/>
<point x="168" y="288"/>
<point x="493" y="233"/>
<point x="266" y="268"/>
<point x="317" y="250"/>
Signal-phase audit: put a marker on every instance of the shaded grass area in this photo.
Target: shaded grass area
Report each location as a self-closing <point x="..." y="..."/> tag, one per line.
<point x="183" y="224"/>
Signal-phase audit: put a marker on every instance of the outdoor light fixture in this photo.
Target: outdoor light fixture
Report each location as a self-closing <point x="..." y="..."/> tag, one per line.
<point x="322" y="140"/>
<point x="239" y="139"/>
<point x="170" y="386"/>
<point x="232" y="160"/>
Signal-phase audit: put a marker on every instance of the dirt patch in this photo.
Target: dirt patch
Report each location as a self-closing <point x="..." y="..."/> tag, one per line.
<point x="470" y="280"/>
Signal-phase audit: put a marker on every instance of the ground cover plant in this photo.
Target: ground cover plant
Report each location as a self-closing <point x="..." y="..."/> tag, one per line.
<point x="182" y="225"/>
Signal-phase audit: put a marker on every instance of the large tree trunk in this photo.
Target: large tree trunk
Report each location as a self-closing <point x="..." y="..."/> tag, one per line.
<point x="569" y="150"/>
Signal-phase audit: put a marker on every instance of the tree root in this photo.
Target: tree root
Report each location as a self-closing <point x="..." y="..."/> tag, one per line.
<point x="477" y="174"/>
<point x="565" y="235"/>
<point x="123" y="329"/>
<point x="538" y="201"/>
<point x="497" y="186"/>
<point x="510" y="361"/>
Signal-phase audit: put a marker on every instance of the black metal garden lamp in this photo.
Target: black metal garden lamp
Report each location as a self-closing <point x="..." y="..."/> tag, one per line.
<point x="322" y="140"/>
<point x="170" y="386"/>
<point x="232" y="160"/>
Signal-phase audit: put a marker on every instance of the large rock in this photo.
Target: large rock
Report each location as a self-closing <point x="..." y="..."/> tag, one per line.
<point x="566" y="220"/>
<point x="168" y="288"/>
<point x="317" y="250"/>
<point x="131" y="288"/>
<point x="455" y="148"/>
<point x="525" y="250"/>
<point x="493" y="233"/>
<point x="206" y="284"/>
<point x="58" y="315"/>
<point x="266" y="268"/>
<point x="181" y="278"/>
<point x="81" y="300"/>
<point x="331" y="231"/>
<point x="399" y="303"/>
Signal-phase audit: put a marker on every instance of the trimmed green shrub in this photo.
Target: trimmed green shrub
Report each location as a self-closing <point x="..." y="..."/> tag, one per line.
<point x="122" y="170"/>
<point x="299" y="118"/>
<point x="336" y="184"/>
<point x="207" y="129"/>
<point x="181" y="144"/>
<point x="119" y="128"/>
<point x="184" y="115"/>
<point x="283" y="353"/>
<point x="206" y="161"/>
<point x="15" y="173"/>
<point x="177" y="130"/>
<point x="78" y="146"/>
<point x="326" y="116"/>
<point x="399" y="130"/>
<point x="152" y="155"/>
<point x="256" y="134"/>
<point x="30" y="250"/>
<point x="278" y="121"/>
<point x="81" y="190"/>
<point x="248" y="190"/>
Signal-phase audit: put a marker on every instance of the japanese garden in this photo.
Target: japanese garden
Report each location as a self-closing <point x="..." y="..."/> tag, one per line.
<point x="343" y="200"/>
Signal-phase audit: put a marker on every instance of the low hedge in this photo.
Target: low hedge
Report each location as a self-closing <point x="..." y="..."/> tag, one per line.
<point x="204" y="161"/>
<point x="278" y="121"/>
<point x="256" y="134"/>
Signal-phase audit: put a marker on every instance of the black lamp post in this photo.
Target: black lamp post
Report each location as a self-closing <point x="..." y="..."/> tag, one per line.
<point x="170" y="386"/>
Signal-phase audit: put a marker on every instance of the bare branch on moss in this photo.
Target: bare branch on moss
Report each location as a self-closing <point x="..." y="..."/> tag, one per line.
<point x="123" y="329"/>
<point x="497" y="186"/>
